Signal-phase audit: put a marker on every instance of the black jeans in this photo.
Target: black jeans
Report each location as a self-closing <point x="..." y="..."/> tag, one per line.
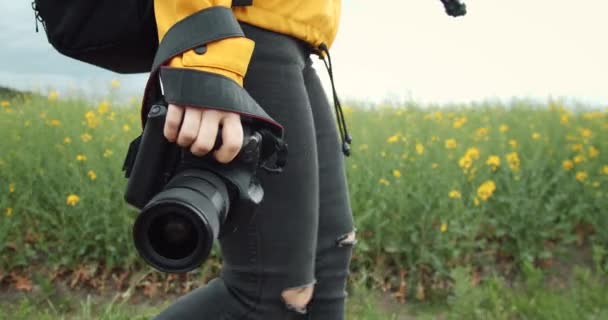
<point x="298" y="236"/>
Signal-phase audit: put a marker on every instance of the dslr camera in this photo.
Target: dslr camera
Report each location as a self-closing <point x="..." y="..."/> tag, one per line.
<point x="186" y="201"/>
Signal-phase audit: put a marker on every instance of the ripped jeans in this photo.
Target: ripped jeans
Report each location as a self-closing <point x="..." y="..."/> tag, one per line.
<point x="302" y="234"/>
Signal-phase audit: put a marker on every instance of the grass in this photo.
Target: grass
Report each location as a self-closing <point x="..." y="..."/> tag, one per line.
<point x="581" y="296"/>
<point x="488" y="188"/>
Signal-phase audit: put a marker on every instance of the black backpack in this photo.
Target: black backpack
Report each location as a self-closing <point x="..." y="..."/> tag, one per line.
<point x="118" y="35"/>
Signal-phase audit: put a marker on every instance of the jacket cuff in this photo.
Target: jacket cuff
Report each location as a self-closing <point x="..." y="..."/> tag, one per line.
<point x="196" y="88"/>
<point x="228" y="57"/>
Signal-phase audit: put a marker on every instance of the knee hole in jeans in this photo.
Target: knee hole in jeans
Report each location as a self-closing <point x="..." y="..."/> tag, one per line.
<point x="348" y="239"/>
<point x="296" y="299"/>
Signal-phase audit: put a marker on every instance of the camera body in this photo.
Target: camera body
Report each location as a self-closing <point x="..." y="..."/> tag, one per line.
<point x="186" y="202"/>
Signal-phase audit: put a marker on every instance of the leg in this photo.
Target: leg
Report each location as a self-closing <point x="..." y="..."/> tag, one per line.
<point x="336" y="234"/>
<point x="268" y="264"/>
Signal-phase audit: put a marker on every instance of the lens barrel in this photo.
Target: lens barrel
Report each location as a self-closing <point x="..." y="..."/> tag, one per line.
<point x="175" y="231"/>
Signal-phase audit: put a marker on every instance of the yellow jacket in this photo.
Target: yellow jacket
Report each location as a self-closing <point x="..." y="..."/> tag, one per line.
<point x="314" y="21"/>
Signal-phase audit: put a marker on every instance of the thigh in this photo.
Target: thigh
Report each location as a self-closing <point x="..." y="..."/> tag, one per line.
<point x="280" y="254"/>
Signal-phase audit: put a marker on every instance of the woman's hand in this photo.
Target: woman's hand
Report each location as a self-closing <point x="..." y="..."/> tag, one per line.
<point x="199" y="130"/>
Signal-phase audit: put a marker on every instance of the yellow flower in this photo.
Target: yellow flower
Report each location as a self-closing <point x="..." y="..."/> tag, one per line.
<point x="605" y="169"/>
<point x="107" y="153"/>
<point x="514" y="161"/>
<point x="568" y="164"/>
<point x="348" y="110"/>
<point x="586" y="133"/>
<point x="72" y="200"/>
<point x="92" y="175"/>
<point x="513" y="143"/>
<point x="581" y="176"/>
<point x="115" y="83"/>
<point x="472" y="153"/>
<point x="536" y="136"/>
<point x="450" y="143"/>
<point x="81" y="157"/>
<point x="103" y="107"/>
<point x="486" y="190"/>
<point x="476" y="202"/>
<point x="42" y="115"/>
<point x="92" y="120"/>
<point x="465" y="163"/>
<point x="444" y="227"/>
<point x="459" y="122"/>
<point x="394" y="138"/>
<point x="86" y="137"/>
<point x="67" y="140"/>
<point x="579" y="158"/>
<point x="8" y="212"/>
<point x="419" y="148"/>
<point x="455" y="194"/>
<point x="126" y="128"/>
<point x="593" y="115"/>
<point x="504" y="128"/>
<point x="11" y="187"/>
<point x="434" y="165"/>
<point x="55" y="123"/>
<point x="481" y="132"/>
<point x="53" y="95"/>
<point x="5" y="104"/>
<point x="593" y="152"/>
<point x="577" y="147"/>
<point x="383" y="181"/>
<point x="564" y="119"/>
<point x="397" y="173"/>
<point x="494" y="162"/>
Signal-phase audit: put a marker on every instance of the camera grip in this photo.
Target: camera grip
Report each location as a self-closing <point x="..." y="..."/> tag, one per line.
<point x="145" y="180"/>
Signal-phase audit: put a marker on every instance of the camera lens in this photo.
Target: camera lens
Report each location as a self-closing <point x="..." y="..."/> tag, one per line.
<point x="175" y="231"/>
<point x="172" y="236"/>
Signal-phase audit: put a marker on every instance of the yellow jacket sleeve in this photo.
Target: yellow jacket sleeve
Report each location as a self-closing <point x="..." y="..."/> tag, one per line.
<point x="229" y="57"/>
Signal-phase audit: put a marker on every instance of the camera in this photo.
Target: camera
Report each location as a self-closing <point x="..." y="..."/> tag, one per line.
<point x="186" y="202"/>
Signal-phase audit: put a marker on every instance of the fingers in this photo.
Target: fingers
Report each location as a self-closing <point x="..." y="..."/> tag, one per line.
<point x="207" y="133"/>
<point x="199" y="128"/>
<point x="190" y="127"/>
<point x="232" y="138"/>
<point x="172" y="122"/>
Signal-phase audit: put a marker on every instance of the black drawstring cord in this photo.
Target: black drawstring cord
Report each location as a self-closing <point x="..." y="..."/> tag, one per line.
<point x="344" y="135"/>
<point x="37" y="17"/>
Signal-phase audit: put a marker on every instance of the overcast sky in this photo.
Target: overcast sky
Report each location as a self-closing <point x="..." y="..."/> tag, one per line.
<point x="405" y="49"/>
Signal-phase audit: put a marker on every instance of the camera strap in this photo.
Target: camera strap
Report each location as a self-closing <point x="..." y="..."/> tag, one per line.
<point x="274" y="152"/>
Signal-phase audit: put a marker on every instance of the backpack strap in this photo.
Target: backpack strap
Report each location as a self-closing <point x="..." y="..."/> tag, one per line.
<point x="199" y="88"/>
